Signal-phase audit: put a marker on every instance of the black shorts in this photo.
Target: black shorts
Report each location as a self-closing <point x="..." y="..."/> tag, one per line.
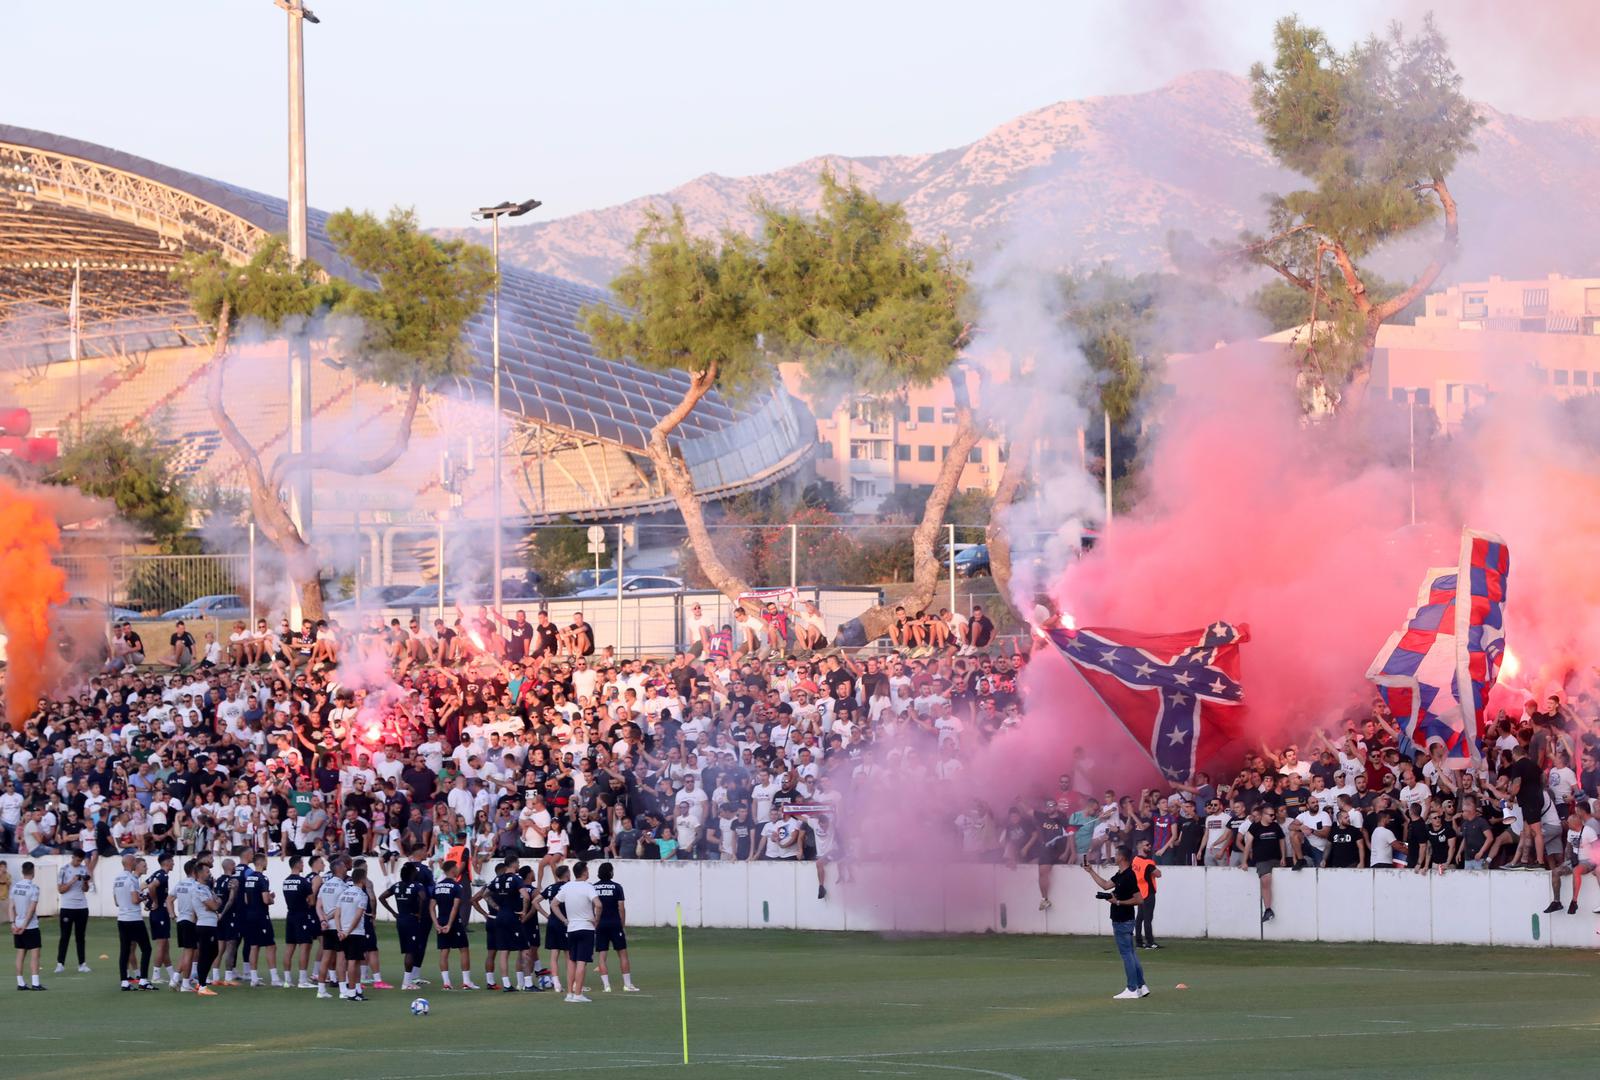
<point x="330" y="940"/>
<point x="160" y="925"/>
<point x="259" y="935"/>
<point x="28" y="939"/>
<point x="413" y="938"/>
<point x="452" y="939"/>
<point x="228" y="930"/>
<point x="301" y="928"/>
<point x="607" y="938"/>
<point x="185" y="934"/>
<point x="204" y="935"/>
<point x="355" y="947"/>
<point x="580" y="945"/>
<point x="555" y="936"/>
<point x="1264" y="868"/>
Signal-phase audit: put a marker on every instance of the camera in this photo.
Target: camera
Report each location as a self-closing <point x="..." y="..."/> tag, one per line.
<point x="1102" y="896"/>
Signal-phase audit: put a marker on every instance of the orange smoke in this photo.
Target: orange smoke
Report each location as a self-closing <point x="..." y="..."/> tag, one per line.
<point x="30" y="583"/>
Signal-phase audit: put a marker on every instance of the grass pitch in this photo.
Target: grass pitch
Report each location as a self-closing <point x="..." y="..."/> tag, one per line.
<point x="812" y="1006"/>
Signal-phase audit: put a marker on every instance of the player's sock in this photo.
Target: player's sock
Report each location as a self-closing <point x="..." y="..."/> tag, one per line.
<point x="20" y="981"/>
<point x="275" y="980"/>
<point x="627" y="979"/>
<point x="605" y="982"/>
<point x="444" y="980"/>
<point x="36" y="979"/>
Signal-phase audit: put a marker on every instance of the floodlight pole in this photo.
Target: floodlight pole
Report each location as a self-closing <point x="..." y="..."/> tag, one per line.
<point x="300" y="405"/>
<point x="494" y="214"/>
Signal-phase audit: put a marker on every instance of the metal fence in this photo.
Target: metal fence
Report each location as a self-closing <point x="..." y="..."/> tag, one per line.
<point x="149" y="586"/>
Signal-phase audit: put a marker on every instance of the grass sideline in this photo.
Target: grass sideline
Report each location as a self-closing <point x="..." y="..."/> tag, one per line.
<point x="791" y="1004"/>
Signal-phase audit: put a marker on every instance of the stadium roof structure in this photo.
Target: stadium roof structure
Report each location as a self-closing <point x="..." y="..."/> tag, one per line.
<point x="123" y="223"/>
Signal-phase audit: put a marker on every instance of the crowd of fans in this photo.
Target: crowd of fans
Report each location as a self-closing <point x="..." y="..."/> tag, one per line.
<point x="510" y="737"/>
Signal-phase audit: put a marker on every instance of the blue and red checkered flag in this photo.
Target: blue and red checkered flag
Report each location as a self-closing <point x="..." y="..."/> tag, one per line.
<point x="1177" y="694"/>
<point x="1436" y="671"/>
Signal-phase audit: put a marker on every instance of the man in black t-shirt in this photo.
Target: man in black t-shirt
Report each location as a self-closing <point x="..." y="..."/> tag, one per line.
<point x="545" y="636"/>
<point x="519" y="638"/>
<point x="1347" y="845"/>
<point x="980" y="629"/>
<point x="1263" y="849"/>
<point x="1122" y="891"/>
<point x="182" y="643"/>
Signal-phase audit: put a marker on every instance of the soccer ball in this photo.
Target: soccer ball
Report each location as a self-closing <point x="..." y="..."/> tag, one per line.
<point x="419" y="1007"/>
<point x="546" y="982"/>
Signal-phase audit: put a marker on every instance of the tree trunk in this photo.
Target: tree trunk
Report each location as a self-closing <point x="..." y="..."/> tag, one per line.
<point x="925" y="562"/>
<point x="680" y="484"/>
<point x="270" y="515"/>
<point x="1019" y="453"/>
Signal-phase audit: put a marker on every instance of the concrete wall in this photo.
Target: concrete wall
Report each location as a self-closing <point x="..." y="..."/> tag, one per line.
<point x="1457" y="908"/>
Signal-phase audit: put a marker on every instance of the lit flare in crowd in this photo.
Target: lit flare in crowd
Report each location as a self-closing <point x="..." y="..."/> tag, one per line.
<point x="30" y="584"/>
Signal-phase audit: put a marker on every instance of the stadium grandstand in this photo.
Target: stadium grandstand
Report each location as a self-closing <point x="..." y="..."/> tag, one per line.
<point x="576" y="425"/>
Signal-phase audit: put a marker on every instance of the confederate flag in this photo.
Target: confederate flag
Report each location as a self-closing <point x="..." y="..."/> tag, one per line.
<point x="1177" y="694"/>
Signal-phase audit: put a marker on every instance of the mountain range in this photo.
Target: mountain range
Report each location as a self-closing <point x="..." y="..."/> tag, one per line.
<point x="1109" y="178"/>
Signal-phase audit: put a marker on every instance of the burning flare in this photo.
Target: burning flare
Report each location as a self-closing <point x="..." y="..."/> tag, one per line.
<point x="1510" y="667"/>
<point x="30" y="584"/>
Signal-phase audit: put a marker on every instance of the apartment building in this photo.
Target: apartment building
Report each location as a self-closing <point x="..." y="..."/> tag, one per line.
<point x="871" y="446"/>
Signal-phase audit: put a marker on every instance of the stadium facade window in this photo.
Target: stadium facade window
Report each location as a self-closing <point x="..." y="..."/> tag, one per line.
<point x="902" y="452"/>
<point x="976" y="455"/>
<point x="947" y="414"/>
<point x="924" y="414"/>
<point x="1580" y="378"/>
<point x="1424" y="396"/>
<point x="924" y="453"/>
<point x="1560" y="377"/>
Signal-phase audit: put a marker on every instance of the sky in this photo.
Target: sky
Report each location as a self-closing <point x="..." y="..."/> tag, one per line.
<point x="445" y="106"/>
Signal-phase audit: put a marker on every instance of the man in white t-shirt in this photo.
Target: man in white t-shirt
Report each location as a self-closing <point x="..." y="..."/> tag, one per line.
<point x="1309" y="838"/>
<point x="72" y="882"/>
<point x="780" y="837"/>
<point x="578" y="906"/>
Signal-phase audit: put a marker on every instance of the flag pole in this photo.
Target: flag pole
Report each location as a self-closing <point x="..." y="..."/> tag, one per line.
<point x="683" y="998"/>
<point x="75" y="318"/>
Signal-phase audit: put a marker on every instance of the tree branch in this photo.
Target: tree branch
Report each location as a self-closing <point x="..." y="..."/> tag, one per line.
<point x="288" y="464"/>
<point x="1442" y="256"/>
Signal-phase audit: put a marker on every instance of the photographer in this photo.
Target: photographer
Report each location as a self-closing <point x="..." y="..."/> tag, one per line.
<point x="1123" y="893"/>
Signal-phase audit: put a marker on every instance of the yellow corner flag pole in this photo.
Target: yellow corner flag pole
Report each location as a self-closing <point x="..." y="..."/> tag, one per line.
<point x="683" y="996"/>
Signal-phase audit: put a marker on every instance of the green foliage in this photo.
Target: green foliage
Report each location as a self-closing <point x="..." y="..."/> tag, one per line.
<point x="853" y="296"/>
<point x="1369" y="128"/>
<point x="692" y="304"/>
<point x="849" y="293"/>
<point x="555" y="551"/>
<point x="269" y="289"/>
<point x="411" y="325"/>
<point x="133" y="471"/>
<point x="825" y="495"/>
<point x="427" y="291"/>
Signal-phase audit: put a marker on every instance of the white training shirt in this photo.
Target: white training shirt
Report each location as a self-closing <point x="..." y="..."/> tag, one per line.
<point x="328" y="900"/>
<point x="126" y="894"/>
<point x="25" y="901"/>
<point x="202" y="895"/>
<point x="73" y="880"/>
<point x="352" y="908"/>
<point x="577" y="900"/>
<point x="183" y="900"/>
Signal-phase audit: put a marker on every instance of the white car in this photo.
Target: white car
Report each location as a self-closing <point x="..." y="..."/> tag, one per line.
<point x="634" y="585"/>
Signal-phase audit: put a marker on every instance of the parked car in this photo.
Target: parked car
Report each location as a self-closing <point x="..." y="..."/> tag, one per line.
<point x="972" y="561"/>
<point x="373" y="598"/>
<point x="579" y="580"/>
<point x="426" y="597"/>
<point x="639" y="585"/>
<point x="89" y="607"/>
<point x="221" y="606"/>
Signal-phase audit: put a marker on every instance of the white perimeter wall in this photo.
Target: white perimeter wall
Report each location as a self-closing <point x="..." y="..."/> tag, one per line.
<point x="1462" y="907"/>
